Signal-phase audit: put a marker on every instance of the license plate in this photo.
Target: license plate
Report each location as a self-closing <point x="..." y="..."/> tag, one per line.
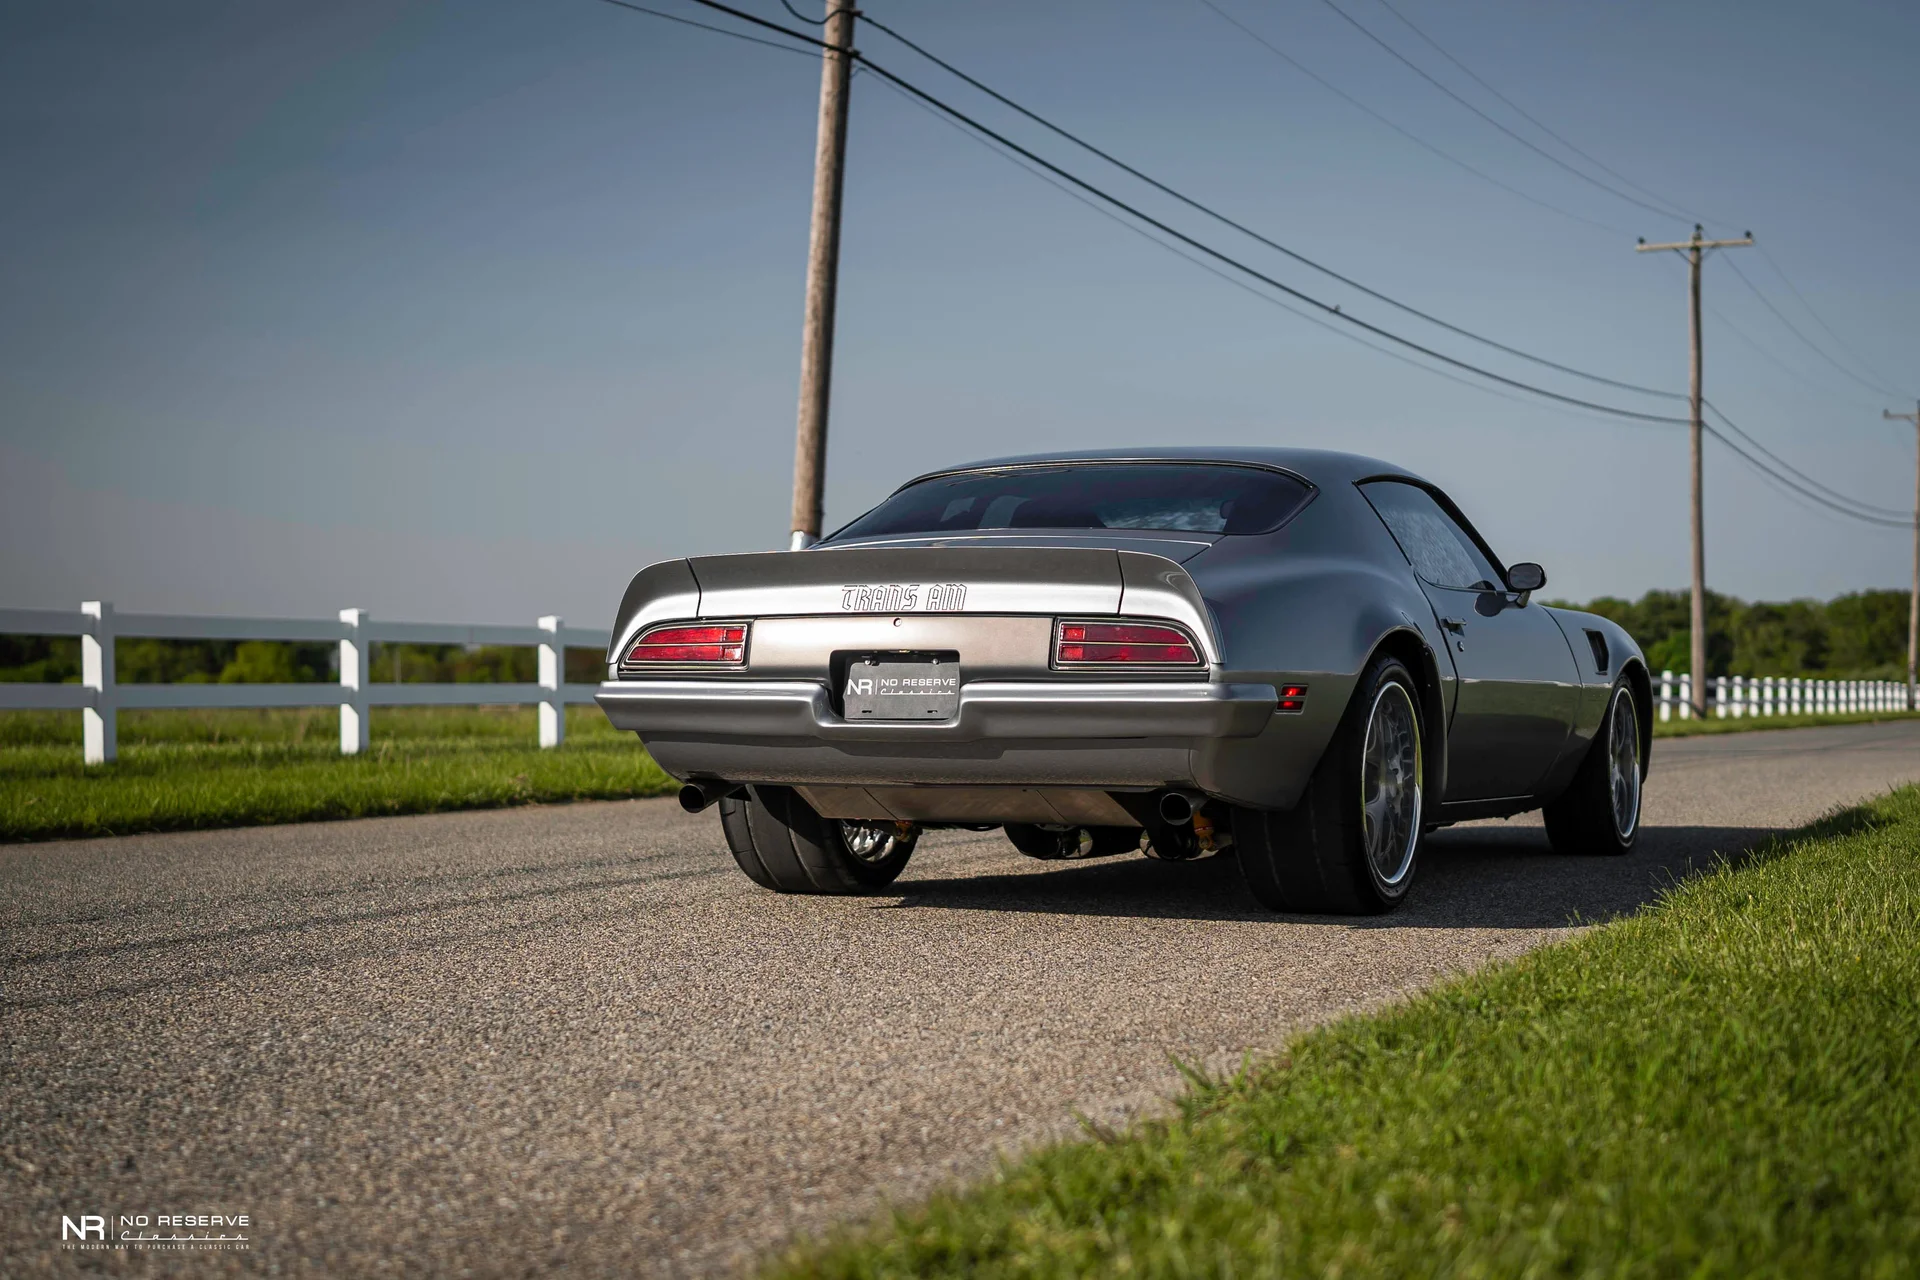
<point x="882" y="690"/>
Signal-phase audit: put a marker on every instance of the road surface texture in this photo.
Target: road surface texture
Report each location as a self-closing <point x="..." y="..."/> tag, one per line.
<point x="497" y="1043"/>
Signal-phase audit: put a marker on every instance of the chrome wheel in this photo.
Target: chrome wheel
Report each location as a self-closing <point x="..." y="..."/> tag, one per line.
<point x="876" y="841"/>
<point x="1623" y="764"/>
<point x="1390" y="783"/>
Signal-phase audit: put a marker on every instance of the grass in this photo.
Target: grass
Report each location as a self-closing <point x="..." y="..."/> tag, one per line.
<point x="1724" y="1085"/>
<point x="186" y="770"/>
<point x="1744" y="724"/>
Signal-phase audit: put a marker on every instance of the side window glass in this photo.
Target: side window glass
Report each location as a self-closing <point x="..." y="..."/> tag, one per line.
<point x="1441" y="551"/>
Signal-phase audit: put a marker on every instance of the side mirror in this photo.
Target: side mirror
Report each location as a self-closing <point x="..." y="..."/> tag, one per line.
<point x="1525" y="578"/>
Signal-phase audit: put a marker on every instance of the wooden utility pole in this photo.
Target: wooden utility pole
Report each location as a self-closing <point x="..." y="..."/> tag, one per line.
<point x="823" y="270"/>
<point x="1913" y="601"/>
<point x="1696" y="251"/>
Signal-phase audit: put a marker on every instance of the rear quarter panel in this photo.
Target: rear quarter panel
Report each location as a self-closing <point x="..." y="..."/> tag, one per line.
<point x="1312" y="603"/>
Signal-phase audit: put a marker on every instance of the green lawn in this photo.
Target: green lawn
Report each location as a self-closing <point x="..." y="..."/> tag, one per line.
<point x="1727" y="1084"/>
<point x="181" y="770"/>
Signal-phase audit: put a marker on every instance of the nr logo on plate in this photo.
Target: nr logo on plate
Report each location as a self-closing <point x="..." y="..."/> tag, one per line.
<point x="904" y="597"/>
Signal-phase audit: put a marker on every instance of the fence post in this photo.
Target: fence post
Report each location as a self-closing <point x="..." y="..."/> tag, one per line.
<point x="1719" y="697"/>
<point x="1666" y="695"/>
<point x="356" y="653"/>
<point x="100" y="723"/>
<point x="553" y="674"/>
<point x="1686" y="695"/>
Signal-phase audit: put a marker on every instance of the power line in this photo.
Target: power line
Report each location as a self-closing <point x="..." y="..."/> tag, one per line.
<point x="1219" y="274"/>
<point x="1420" y="71"/>
<point x="1800" y="375"/>
<point x="1251" y="234"/>
<point x="1816" y="347"/>
<point x="1408" y="134"/>
<point x="1864" y="506"/>
<point x="1784" y="477"/>
<point x="1535" y="120"/>
<point x="1816" y="315"/>
<point x="1325" y="307"/>
<point x="689" y="22"/>
<point x="1804" y="491"/>
<point x="817" y="22"/>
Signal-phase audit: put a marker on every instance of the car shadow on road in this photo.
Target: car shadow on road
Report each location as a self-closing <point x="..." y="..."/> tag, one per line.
<point x="1470" y="878"/>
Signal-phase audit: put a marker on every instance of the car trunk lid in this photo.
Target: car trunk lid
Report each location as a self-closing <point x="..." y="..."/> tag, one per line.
<point x="910" y="580"/>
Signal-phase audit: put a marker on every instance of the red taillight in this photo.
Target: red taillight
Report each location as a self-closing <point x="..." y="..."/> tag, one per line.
<point x="1293" y="697"/>
<point x="680" y="642"/>
<point x="1120" y="643"/>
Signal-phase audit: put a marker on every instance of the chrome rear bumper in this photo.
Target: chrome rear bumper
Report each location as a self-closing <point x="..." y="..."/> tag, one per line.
<point x="990" y="710"/>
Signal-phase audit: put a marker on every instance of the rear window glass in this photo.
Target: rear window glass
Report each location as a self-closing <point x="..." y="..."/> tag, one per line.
<point x="1173" y="496"/>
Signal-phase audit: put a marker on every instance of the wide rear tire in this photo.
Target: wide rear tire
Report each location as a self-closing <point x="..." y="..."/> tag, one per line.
<point x="783" y="845"/>
<point x="1599" y="813"/>
<point x="1349" y="846"/>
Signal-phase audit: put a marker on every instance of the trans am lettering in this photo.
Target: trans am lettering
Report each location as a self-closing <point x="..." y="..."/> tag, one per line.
<point x="898" y="597"/>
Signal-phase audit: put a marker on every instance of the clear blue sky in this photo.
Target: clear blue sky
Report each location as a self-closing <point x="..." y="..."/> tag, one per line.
<point x="469" y="310"/>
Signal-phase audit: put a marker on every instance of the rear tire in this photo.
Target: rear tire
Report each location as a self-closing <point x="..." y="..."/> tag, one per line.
<point x="1599" y="813"/>
<point x="1349" y="846"/>
<point x="784" y="845"/>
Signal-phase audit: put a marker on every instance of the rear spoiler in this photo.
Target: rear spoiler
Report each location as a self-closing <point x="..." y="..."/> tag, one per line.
<point x="1051" y="581"/>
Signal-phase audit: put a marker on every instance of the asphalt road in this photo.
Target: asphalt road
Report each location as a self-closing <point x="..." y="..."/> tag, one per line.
<point x="496" y="1043"/>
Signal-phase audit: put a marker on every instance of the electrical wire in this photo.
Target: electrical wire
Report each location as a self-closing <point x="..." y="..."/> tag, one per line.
<point x="689" y="22"/>
<point x="1794" y="289"/>
<point x="1805" y="379"/>
<point x="1420" y="71"/>
<point x="1256" y="236"/>
<point x="1408" y="134"/>
<point x="1802" y="491"/>
<point x="1865" y="507"/>
<point x="1535" y="121"/>
<point x="1233" y="280"/>
<point x="1795" y="330"/>
<point x="1326" y="308"/>
<point x="1805" y="486"/>
<point x="801" y="17"/>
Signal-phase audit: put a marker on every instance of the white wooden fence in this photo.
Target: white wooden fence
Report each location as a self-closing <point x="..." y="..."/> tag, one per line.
<point x="1737" y="697"/>
<point x="99" y="697"/>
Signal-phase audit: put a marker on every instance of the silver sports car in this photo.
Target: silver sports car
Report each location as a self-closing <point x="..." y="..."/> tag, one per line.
<point x="1307" y="660"/>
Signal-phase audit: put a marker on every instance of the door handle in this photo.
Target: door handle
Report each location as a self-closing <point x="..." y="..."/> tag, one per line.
<point x="1456" y="625"/>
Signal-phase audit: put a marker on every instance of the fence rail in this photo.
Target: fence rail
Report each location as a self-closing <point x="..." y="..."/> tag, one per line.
<point x="1740" y="697"/>
<point x="99" y="697"/>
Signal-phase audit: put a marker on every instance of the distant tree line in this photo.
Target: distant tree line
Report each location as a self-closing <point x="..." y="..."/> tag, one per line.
<point x="57" y="659"/>
<point x="1858" y="636"/>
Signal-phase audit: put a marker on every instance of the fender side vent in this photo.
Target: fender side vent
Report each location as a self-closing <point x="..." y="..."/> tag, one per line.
<point x="1598" y="643"/>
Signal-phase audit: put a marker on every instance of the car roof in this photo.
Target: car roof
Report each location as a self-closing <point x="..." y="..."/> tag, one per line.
<point x="1320" y="466"/>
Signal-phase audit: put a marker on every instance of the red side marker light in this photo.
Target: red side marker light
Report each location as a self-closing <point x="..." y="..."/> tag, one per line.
<point x="1293" y="697"/>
